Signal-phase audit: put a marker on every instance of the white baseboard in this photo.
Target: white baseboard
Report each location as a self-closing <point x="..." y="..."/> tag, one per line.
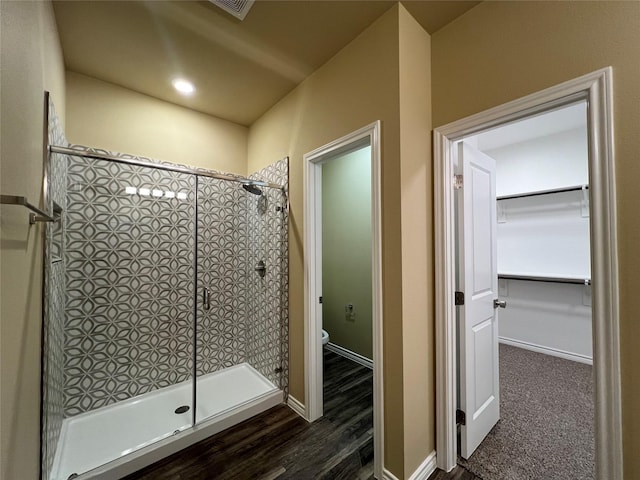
<point x="387" y="475"/>
<point x="297" y="406"/>
<point x="426" y="468"/>
<point x="356" y="357"/>
<point x="576" y="357"/>
<point x="423" y="472"/>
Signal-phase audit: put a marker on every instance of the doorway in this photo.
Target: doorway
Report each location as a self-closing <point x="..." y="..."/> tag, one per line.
<point x="536" y="332"/>
<point x="346" y="255"/>
<point x="595" y="90"/>
<point x="364" y="140"/>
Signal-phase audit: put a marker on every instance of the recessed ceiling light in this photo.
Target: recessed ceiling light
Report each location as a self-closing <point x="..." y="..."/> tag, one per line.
<point x="183" y="86"/>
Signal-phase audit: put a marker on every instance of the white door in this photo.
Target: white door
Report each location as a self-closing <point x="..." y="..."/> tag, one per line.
<point x="478" y="279"/>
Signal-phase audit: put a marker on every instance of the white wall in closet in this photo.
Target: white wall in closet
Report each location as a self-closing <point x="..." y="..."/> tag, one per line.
<point x="544" y="235"/>
<point x="554" y="161"/>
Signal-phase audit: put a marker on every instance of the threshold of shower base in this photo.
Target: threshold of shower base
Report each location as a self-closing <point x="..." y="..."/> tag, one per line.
<point x="121" y="438"/>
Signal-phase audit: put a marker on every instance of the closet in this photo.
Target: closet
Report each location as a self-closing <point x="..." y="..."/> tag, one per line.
<point x="525" y="378"/>
<point x="543" y="233"/>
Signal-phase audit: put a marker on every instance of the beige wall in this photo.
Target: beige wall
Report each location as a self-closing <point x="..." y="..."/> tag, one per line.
<point x="418" y="308"/>
<point x="359" y="85"/>
<point x="346" y="251"/>
<point x="500" y="51"/>
<point x="31" y="64"/>
<point x="104" y="115"/>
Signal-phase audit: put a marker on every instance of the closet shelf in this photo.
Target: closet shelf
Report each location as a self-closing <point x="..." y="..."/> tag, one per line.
<point x="544" y="192"/>
<point x="545" y="278"/>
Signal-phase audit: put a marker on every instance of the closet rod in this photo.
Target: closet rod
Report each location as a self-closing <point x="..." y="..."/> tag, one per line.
<point x="544" y="192"/>
<point x="532" y="278"/>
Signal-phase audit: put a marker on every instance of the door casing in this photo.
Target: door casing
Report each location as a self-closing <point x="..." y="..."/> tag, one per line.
<point x="597" y="90"/>
<point x="313" y="279"/>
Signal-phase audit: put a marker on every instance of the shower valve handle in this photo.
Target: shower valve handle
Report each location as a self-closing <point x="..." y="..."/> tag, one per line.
<point x="206" y="298"/>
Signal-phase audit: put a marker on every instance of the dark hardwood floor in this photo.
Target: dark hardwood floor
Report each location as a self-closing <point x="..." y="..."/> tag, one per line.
<point x="278" y="444"/>
<point x="457" y="473"/>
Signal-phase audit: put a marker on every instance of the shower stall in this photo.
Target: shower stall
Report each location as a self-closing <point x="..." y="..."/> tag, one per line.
<point x="165" y="306"/>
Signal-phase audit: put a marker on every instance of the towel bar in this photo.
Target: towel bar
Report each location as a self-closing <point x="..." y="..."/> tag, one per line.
<point x="33" y="218"/>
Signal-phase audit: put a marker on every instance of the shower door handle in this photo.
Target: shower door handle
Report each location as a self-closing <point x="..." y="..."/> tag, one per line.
<point x="206" y="298"/>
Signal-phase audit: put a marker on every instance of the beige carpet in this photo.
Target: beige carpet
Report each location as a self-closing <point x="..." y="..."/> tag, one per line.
<point x="546" y="427"/>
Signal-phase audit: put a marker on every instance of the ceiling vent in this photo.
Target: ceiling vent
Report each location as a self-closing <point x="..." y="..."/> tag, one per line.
<point x="237" y="8"/>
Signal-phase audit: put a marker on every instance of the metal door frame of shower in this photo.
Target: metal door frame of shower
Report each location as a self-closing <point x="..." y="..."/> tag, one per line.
<point x="43" y="309"/>
<point x="138" y="162"/>
<point x="194" y="336"/>
<point x="197" y="431"/>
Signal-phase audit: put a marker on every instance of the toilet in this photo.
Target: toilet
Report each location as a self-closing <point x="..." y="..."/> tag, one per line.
<point x="325" y="337"/>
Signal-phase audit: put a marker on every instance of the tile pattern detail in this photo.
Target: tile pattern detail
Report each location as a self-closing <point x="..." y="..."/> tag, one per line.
<point x="54" y="299"/>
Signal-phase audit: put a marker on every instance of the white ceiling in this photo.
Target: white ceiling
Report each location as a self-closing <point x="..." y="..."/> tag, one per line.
<point x="556" y="121"/>
<point x="240" y="68"/>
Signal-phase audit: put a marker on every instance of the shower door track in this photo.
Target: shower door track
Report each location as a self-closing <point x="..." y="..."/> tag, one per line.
<point x="161" y="166"/>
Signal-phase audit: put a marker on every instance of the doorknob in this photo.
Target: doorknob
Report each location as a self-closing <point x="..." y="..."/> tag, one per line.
<point x="499" y="303"/>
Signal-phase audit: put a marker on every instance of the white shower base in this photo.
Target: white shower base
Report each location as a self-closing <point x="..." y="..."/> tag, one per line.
<point x="99" y="440"/>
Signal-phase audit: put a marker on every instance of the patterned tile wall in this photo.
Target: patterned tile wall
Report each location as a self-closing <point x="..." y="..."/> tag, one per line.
<point x="54" y="298"/>
<point x="129" y="281"/>
<point x="268" y="327"/>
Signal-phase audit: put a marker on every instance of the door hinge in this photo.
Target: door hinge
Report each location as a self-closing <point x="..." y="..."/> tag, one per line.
<point x="457" y="182"/>
<point x="320" y="299"/>
<point x="461" y="417"/>
<point x="459" y="298"/>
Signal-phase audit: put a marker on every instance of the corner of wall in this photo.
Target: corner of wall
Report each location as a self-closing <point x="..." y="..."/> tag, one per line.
<point x="356" y="87"/>
<point x="54" y="72"/>
<point x="31" y="59"/>
<point x="417" y="244"/>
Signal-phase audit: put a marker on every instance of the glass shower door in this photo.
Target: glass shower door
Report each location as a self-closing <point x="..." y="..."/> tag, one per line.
<point x="128" y="257"/>
<point x="267" y="276"/>
<point x="220" y="300"/>
<point x="239" y="270"/>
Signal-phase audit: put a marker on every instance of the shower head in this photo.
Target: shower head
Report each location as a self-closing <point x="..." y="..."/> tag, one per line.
<point x="251" y="188"/>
